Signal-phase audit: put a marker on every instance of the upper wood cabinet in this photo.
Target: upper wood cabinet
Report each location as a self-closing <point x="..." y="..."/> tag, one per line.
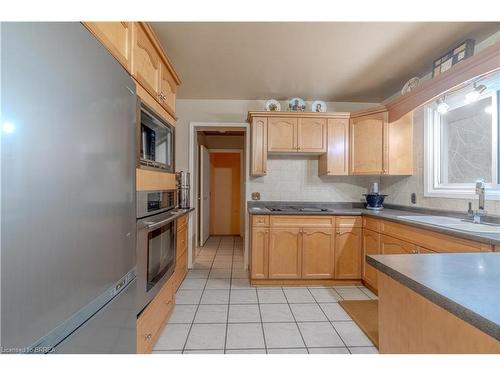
<point x="288" y="134"/>
<point x="367" y="135"/>
<point x="284" y="253"/>
<point x="400" y="146"/>
<point x="167" y="90"/>
<point x="116" y="37"/>
<point x="380" y="147"/>
<point x="336" y="160"/>
<point x="348" y="253"/>
<point x="362" y="143"/>
<point x="317" y="253"/>
<point x="311" y="135"/>
<point x="136" y="47"/>
<point x="282" y="134"/>
<point x="146" y="63"/>
<point x="258" y="139"/>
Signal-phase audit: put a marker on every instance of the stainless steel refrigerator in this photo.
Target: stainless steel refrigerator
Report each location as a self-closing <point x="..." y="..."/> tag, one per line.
<point x="68" y="113"/>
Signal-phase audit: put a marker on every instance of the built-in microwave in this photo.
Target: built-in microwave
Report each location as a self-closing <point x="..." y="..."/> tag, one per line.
<point x="155" y="140"/>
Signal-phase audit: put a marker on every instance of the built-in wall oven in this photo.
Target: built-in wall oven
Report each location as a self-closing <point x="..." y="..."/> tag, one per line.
<point x="156" y="242"/>
<point x="155" y="140"/>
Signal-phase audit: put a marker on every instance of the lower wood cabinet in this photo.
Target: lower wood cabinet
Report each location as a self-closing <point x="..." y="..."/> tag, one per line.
<point x="390" y="245"/>
<point x="371" y="246"/>
<point x="309" y="247"/>
<point x="284" y="253"/>
<point x="156" y="314"/>
<point x="154" y="317"/>
<point x="317" y="253"/>
<point x="348" y="253"/>
<point x="259" y="256"/>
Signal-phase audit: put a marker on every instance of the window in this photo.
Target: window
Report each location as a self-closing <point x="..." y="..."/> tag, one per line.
<point x="462" y="141"/>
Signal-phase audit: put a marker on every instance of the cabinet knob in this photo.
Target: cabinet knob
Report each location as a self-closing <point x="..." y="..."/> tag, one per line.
<point x="148" y="336"/>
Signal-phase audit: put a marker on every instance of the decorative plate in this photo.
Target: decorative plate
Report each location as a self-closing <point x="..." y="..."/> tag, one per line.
<point x="296" y="105"/>
<point x="272" y="105"/>
<point x="318" y="106"/>
<point x="410" y="85"/>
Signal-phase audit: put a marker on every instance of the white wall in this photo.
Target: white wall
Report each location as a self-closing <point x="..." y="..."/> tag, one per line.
<point x="189" y="110"/>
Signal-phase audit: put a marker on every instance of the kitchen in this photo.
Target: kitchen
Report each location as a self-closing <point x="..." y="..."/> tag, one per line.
<point x="191" y="212"/>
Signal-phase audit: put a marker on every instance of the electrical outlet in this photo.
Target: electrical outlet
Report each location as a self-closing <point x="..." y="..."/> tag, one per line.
<point x="256" y="196"/>
<point x="413" y="198"/>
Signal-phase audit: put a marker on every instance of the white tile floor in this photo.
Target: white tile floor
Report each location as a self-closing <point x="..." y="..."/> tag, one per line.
<point x="217" y="311"/>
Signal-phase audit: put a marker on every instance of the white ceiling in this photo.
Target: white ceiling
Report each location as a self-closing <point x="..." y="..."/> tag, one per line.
<point x="333" y="61"/>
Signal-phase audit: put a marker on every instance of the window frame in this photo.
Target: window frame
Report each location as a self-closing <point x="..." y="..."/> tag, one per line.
<point x="433" y="187"/>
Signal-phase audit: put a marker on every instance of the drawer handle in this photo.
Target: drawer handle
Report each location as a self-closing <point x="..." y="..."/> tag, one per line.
<point x="148" y="336"/>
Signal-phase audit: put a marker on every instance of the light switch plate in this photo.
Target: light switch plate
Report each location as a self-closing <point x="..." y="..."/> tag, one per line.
<point x="413" y="198"/>
<point x="256" y="196"/>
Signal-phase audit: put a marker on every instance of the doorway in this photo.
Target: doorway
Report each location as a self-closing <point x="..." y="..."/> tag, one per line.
<point x="221" y="173"/>
<point x="225" y="193"/>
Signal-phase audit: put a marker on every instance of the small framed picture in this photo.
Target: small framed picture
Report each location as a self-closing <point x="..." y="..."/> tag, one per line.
<point x="457" y="54"/>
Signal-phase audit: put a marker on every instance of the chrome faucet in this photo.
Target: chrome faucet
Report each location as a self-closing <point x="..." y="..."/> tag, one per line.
<point x="480" y="190"/>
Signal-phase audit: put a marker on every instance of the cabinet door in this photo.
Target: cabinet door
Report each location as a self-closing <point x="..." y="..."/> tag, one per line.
<point x="116" y="37"/>
<point x="154" y="317"/>
<point x="145" y="61"/>
<point x="317" y="253"/>
<point x="367" y="146"/>
<point x="284" y="253"/>
<point x="260" y="244"/>
<point x="390" y="245"/>
<point x="311" y="135"/>
<point x="168" y="89"/>
<point x="400" y="146"/>
<point x="258" y="140"/>
<point x="348" y="253"/>
<point x="371" y="246"/>
<point x="336" y="160"/>
<point x="281" y="134"/>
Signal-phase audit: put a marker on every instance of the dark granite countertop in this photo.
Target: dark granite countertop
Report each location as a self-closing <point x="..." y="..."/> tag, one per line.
<point x="390" y="212"/>
<point x="466" y="285"/>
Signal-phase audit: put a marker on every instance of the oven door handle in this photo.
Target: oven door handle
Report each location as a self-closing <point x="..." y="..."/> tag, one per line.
<point x="152" y="224"/>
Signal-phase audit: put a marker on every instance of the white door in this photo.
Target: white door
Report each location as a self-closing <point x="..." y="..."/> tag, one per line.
<point x="204" y="195"/>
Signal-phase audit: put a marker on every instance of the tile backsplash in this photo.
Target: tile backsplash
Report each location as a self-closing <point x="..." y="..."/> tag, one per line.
<point x="295" y="178"/>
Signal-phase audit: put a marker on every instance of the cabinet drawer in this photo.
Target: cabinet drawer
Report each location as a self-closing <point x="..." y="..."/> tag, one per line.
<point x="153" y="318"/>
<point x="302" y="221"/>
<point x="348" y="222"/>
<point x="371" y="224"/>
<point x="182" y="221"/>
<point x="260" y="220"/>
<point x="431" y="240"/>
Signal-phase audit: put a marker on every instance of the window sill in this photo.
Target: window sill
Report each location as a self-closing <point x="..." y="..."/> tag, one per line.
<point x="493" y="195"/>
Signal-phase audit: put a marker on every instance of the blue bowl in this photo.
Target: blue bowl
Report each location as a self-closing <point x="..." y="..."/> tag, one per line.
<point x="375" y="200"/>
